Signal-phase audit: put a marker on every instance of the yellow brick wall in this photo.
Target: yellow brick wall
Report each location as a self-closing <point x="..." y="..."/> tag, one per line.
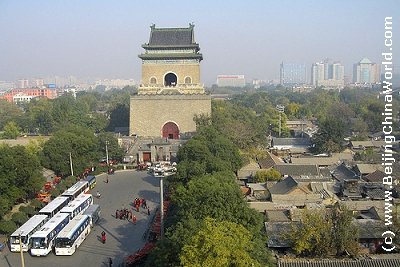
<point x="160" y="70"/>
<point x="148" y="114"/>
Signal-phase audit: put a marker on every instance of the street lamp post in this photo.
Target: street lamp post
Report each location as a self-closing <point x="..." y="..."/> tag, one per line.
<point x="70" y="163"/>
<point x="20" y="250"/>
<point x="280" y="109"/>
<point x="107" y="152"/>
<point x="162" y="206"/>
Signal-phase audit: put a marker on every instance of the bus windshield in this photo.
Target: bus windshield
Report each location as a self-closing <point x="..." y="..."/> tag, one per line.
<point x="63" y="242"/>
<point x="38" y="242"/>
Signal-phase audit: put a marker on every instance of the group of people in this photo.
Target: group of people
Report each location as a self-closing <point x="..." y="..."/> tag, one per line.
<point x="140" y="202"/>
<point x="125" y="214"/>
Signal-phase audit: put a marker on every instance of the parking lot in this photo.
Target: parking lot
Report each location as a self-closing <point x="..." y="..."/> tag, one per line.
<point x="123" y="237"/>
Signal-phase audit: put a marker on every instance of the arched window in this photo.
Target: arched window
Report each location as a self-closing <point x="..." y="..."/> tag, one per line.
<point x="170" y="79"/>
<point x="188" y="80"/>
<point x="153" y="80"/>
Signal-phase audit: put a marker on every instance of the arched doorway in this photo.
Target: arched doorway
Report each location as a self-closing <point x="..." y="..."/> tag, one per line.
<point x="170" y="79"/>
<point x="170" y="130"/>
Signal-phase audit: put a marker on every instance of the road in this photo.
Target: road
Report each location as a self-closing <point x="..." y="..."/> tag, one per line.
<point x="123" y="237"/>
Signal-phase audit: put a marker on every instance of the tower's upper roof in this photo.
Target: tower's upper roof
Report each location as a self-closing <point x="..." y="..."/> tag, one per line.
<point x="166" y="39"/>
<point x="171" y="37"/>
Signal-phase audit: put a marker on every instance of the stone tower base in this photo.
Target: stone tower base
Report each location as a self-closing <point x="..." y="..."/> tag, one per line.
<point x="149" y="114"/>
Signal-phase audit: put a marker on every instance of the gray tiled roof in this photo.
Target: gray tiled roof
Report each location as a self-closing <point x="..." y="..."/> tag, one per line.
<point x="375" y="177"/>
<point x="342" y="173"/>
<point x="171" y="36"/>
<point x="270" y="160"/>
<point x="371" y="229"/>
<point x="298" y="169"/>
<point x="284" y="186"/>
<point x="291" y="141"/>
<point x="339" y="263"/>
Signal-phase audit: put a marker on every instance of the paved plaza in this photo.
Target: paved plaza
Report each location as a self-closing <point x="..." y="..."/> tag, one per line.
<point x="123" y="237"/>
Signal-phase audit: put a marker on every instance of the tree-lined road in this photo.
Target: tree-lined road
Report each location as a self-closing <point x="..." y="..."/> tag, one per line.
<point x="123" y="237"/>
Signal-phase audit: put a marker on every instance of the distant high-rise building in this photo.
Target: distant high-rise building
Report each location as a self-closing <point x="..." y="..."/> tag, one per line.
<point x="366" y="72"/>
<point x="327" y="74"/>
<point x="38" y="83"/>
<point x="231" y="81"/>
<point x="293" y="73"/>
<point x="317" y="73"/>
<point x="23" y="83"/>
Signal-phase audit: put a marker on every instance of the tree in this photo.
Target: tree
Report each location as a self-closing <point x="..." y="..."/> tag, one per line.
<point x="313" y="236"/>
<point x="324" y="232"/>
<point x="344" y="233"/>
<point x="329" y="137"/>
<point x="28" y="210"/>
<point x="79" y="141"/>
<point x="114" y="150"/>
<point x="267" y="175"/>
<point x="217" y="196"/>
<point x="7" y="227"/>
<point x="119" y="117"/>
<point x="219" y="243"/>
<point x="20" y="175"/>
<point x="19" y="218"/>
<point x="8" y="112"/>
<point x="11" y="130"/>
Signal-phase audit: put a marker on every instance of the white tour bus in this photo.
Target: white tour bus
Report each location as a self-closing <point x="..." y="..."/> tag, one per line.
<point x="75" y="190"/>
<point x="25" y="232"/>
<point x="93" y="211"/>
<point x="72" y="236"/>
<point x="54" y="206"/>
<point x="91" y="179"/>
<point x="78" y="205"/>
<point x="43" y="240"/>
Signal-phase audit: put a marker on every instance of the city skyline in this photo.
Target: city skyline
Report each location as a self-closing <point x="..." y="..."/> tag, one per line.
<point x="103" y="39"/>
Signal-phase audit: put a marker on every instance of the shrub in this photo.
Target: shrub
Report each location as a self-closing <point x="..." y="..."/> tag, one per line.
<point x="7" y="227"/>
<point x="19" y="218"/>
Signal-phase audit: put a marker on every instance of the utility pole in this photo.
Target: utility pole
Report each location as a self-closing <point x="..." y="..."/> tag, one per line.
<point x="162" y="206"/>
<point x="20" y="250"/>
<point x="107" y="152"/>
<point x="280" y="109"/>
<point x="70" y="163"/>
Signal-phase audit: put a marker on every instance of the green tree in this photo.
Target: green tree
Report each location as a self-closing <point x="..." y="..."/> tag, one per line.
<point x="114" y="150"/>
<point x="329" y="137"/>
<point x="344" y="233"/>
<point x="11" y="130"/>
<point x="119" y="116"/>
<point x="219" y="244"/>
<point x="313" y="236"/>
<point x="19" y="218"/>
<point x="267" y="175"/>
<point x="7" y="227"/>
<point x="20" y="174"/>
<point x="79" y="141"/>
<point x="28" y="210"/>
<point x="8" y="112"/>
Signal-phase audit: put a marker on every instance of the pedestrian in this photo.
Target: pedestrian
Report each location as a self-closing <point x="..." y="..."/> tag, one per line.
<point x="120" y="214"/>
<point x="109" y="262"/>
<point x="116" y="214"/>
<point x="107" y="179"/>
<point x="137" y="208"/>
<point x="103" y="237"/>
<point x="134" y="219"/>
<point x="144" y="204"/>
<point x="148" y="211"/>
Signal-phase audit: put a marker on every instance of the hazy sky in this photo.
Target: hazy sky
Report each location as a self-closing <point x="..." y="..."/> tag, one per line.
<point x="94" y="38"/>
